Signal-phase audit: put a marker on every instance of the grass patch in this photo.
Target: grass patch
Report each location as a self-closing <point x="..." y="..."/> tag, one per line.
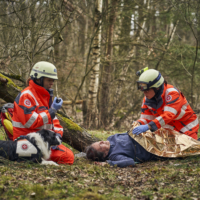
<point x="171" y="179"/>
<point x="101" y="134"/>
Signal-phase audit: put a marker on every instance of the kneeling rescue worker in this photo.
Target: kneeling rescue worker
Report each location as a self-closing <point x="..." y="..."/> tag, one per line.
<point x="34" y="110"/>
<point x="164" y="106"/>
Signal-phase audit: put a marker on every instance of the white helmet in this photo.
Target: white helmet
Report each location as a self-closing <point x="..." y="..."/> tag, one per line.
<point x="150" y="79"/>
<point x="44" y="69"/>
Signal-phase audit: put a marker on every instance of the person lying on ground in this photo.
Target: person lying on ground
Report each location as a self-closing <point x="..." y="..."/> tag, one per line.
<point x="164" y="106"/>
<point x="120" y="150"/>
<point x="35" y="109"/>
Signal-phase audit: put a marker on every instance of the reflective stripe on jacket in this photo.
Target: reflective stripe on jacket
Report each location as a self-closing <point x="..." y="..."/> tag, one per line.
<point x="31" y="112"/>
<point x="174" y="113"/>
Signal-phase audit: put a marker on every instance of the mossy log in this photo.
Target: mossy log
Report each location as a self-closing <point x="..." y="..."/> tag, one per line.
<point x="73" y="134"/>
<point x="13" y="76"/>
<point x="8" y="90"/>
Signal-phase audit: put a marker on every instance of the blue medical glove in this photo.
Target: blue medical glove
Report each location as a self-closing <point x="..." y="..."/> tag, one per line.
<point x="140" y="129"/>
<point x="57" y="103"/>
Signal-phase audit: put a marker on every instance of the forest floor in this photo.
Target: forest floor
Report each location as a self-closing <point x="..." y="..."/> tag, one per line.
<point x="174" y="179"/>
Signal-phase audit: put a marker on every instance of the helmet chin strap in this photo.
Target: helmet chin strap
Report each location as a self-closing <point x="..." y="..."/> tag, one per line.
<point x="157" y="90"/>
<point x="42" y="81"/>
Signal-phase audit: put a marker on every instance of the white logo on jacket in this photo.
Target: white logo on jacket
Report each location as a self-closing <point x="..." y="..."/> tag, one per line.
<point x="168" y="98"/>
<point x="27" y="102"/>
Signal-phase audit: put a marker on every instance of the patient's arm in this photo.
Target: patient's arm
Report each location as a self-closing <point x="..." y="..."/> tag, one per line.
<point x="121" y="161"/>
<point x="101" y="163"/>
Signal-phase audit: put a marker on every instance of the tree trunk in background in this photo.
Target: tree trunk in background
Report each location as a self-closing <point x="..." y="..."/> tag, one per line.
<point x="84" y="89"/>
<point x="73" y="134"/>
<point x="142" y="19"/>
<point x="94" y="77"/>
<point x="116" y="99"/>
<point x="151" y="20"/>
<point x="167" y="44"/>
<point x="139" y="33"/>
<point x="107" y="68"/>
<point x="28" y="46"/>
<point x="195" y="103"/>
<point x="124" y="117"/>
<point x="194" y="67"/>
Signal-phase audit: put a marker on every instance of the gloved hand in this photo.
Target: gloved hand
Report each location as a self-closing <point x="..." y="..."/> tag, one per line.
<point x="57" y="105"/>
<point x="140" y="129"/>
<point x="54" y="147"/>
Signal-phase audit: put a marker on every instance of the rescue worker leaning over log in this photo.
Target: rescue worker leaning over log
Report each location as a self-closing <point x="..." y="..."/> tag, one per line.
<point x="164" y="106"/>
<point x="34" y="110"/>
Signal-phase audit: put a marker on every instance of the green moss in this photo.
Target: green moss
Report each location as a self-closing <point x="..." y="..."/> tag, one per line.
<point x="15" y="76"/>
<point x="78" y="110"/>
<point x="10" y="82"/>
<point x="101" y="134"/>
<point x="70" y="124"/>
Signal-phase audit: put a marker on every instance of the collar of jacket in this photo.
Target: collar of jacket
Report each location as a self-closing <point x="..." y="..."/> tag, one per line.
<point x="109" y="152"/>
<point x="40" y="89"/>
<point x="157" y="101"/>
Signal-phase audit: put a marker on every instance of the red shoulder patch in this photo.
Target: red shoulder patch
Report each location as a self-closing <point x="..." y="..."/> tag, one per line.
<point x="168" y="98"/>
<point x="27" y="102"/>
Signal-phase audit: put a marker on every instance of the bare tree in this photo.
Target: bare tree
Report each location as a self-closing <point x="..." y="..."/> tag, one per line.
<point x="107" y="66"/>
<point x="94" y="77"/>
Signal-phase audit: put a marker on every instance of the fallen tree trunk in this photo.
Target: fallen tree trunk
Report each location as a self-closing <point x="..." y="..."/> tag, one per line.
<point x="73" y="134"/>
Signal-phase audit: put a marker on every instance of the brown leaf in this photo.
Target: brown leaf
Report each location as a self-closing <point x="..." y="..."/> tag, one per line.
<point x="100" y="191"/>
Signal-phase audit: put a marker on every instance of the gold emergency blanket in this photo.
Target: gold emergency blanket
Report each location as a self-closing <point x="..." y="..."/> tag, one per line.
<point x="166" y="143"/>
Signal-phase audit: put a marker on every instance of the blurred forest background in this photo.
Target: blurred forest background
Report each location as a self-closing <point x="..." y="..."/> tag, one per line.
<point x="98" y="46"/>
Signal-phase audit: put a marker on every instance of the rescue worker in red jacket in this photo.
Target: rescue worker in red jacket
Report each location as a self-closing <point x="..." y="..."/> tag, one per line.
<point x="34" y="109"/>
<point x="164" y="106"/>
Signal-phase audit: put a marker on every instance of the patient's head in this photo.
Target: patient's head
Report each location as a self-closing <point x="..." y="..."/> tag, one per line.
<point x="98" y="150"/>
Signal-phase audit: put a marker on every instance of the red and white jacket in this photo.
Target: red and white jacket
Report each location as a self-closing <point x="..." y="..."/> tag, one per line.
<point x="171" y="111"/>
<point x="32" y="113"/>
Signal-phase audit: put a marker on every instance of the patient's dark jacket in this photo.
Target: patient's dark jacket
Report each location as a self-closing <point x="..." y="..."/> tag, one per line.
<point x="125" y="151"/>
